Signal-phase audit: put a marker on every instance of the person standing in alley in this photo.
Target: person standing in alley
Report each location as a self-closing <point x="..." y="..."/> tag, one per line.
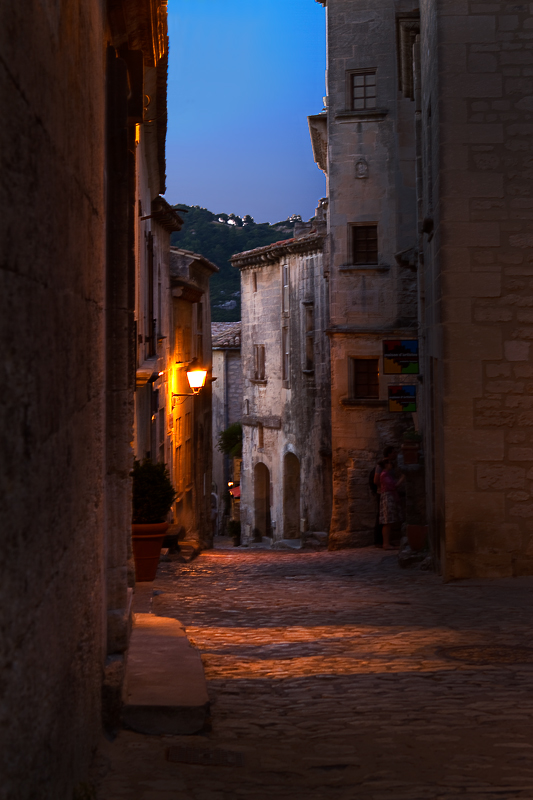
<point x="389" y="505"/>
<point x="375" y="487"/>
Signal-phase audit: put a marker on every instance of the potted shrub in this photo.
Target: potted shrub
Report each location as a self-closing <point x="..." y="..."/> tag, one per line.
<point x="153" y="495"/>
<point x="411" y="446"/>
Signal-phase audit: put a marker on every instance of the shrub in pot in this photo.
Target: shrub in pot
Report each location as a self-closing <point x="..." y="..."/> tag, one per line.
<point x="153" y="495"/>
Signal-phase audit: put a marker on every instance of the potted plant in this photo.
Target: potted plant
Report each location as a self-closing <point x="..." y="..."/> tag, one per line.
<point x="411" y="446"/>
<point x="153" y="495"/>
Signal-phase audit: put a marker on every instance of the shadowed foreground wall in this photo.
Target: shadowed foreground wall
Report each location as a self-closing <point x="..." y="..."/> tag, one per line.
<point x="477" y="101"/>
<point x="52" y="236"/>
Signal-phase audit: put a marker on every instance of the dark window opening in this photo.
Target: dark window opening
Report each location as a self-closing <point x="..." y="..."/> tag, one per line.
<point x="285" y="295"/>
<point x="199" y="332"/>
<point x="363" y="91"/>
<point x="151" y="338"/>
<point x="259" y="362"/>
<point x="309" y="338"/>
<point x="365" y="244"/>
<point x="364" y="377"/>
<point x="285" y="353"/>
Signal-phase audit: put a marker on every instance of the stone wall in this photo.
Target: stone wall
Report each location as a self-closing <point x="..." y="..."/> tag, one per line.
<point x="52" y="589"/>
<point x="286" y="423"/>
<point x="478" y="283"/>
<point x="371" y="180"/>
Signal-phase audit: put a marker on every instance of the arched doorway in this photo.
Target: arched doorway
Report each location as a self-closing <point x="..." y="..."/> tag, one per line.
<point x="262" y="525"/>
<point x="291" y="497"/>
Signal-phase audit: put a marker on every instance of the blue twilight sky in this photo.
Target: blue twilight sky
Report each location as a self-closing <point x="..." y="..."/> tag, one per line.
<point x="243" y="76"/>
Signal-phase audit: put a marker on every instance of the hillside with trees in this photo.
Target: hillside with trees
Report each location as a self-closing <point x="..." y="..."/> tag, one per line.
<point x="220" y="236"/>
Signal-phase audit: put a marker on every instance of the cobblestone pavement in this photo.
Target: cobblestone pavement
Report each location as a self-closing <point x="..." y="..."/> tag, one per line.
<point x="327" y="671"/>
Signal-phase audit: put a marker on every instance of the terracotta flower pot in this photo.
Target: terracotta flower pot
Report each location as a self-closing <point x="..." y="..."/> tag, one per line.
<point x="417" y="536"/>
<point x="410" y="452"/>
<point x="147" y="540"/>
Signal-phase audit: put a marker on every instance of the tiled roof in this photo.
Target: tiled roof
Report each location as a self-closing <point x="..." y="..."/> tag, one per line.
<point x="226" y="334"/>
<point x="270" y="252"/>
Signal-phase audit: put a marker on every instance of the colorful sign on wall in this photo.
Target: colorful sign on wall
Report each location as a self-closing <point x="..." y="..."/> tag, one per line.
<point x="400" y="357"/>
<point x="402" y="398"/>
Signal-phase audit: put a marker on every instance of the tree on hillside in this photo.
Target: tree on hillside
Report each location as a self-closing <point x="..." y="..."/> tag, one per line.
<point x="203" y="233"/>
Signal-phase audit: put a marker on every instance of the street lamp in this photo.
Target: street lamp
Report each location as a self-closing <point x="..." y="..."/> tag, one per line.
<point x="196" y="378"/>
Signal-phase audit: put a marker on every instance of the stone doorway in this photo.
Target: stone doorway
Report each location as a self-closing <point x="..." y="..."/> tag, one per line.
<point x="291" y="497"/>
<point x="262" y="526"/>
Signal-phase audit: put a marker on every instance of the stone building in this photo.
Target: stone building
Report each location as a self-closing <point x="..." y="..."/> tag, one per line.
<point x="154" y="324"/>
<point x="427" y="139"/>
<point x="286" y="464"/>
<point x="75" y="77"/>
<point x="227" y="402"/>
<point x="188" y="450"/>
<point x="364" y="142"/>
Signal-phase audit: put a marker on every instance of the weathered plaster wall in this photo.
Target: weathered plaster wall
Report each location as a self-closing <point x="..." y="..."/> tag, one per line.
<point x="293" y="413"/>
<point x="52" y="593"/>
<point x="478" y="283"/>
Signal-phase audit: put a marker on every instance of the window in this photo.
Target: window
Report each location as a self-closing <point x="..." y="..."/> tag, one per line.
<point x="188" y="451"/>
<point x="162" y="433"/>
<point x="199" y="332"/>
<point x="259" y="362"/>
<point x="365" y="244"/>
<point x="151" y="338"/>
<point x="285" y="353"/>
<point x="178" y="470"/>
<point x="285" y="290"/>
<point x="363" y="90"/>
<point x="364" y="377"/>
<point x="309" y="360"/>
<point x="260" y="438"/>
<point x="188" y="463"/>
<point x="254" y="281"/>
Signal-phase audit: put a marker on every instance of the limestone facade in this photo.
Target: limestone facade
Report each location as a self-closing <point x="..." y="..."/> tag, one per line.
<point x="285" y="478"/>
<point x="364" y="142"/>
<point x="73" y="76"/>
<point x="477" y="288"/>
<point x="227" y="404"/>
<point x="153" y="324"/>
<point x="450" y="139"/>
<point x="188" y="426"/>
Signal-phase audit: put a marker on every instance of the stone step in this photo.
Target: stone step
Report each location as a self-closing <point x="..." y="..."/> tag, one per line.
<point x="165" y="691"/>
<point x="315" y="539"/>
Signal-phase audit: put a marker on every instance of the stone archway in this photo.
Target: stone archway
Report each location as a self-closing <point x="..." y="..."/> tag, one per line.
<point x="291" y="497"/>
<point x="262" y="526"/>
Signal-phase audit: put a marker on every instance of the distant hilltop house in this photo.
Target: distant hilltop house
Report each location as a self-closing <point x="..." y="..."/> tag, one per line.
<point x="286" y="473"/>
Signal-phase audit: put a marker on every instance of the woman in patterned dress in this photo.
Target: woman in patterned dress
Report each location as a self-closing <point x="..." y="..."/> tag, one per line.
<point x="389" y="508"/>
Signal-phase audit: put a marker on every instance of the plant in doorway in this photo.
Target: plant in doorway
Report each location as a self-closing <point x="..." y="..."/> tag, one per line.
<point x="153" y="495"/>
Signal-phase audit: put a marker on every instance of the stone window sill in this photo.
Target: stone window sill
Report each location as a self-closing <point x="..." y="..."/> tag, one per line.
<point x="308" y="371"/>
<point x="363" y="401"/>
<point x="364" y="267"/>
<point x="351" y="115"/>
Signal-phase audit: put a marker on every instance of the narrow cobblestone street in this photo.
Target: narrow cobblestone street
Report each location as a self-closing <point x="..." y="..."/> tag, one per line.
<point x="328" y="672"/>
